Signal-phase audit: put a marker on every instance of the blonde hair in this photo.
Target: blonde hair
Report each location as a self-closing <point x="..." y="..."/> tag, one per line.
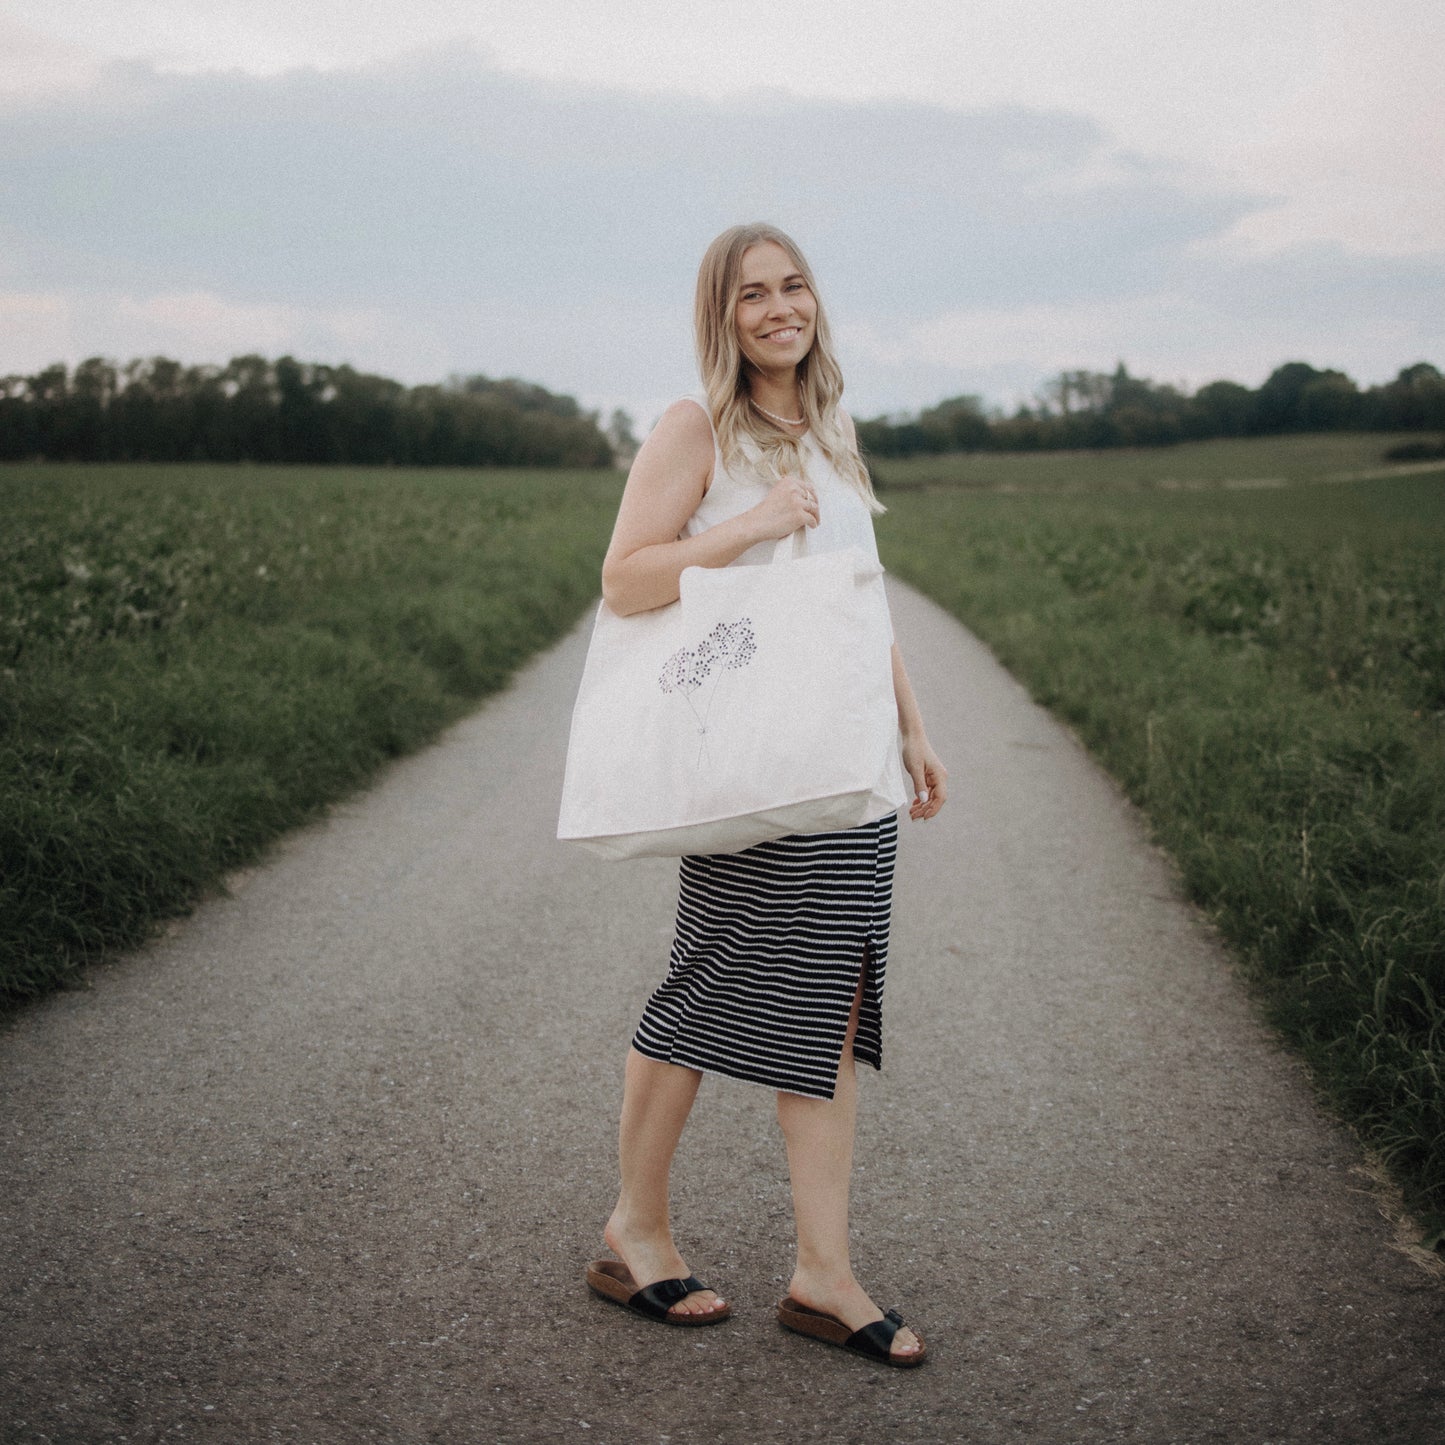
<point x="721" y="364"/>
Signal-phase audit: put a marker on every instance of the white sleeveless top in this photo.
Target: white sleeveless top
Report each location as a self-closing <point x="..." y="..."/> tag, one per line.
<point x="843" y="517"/>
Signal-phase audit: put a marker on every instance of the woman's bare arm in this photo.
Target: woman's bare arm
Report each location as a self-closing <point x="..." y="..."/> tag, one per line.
<point x="920" y="762"/>
<point x="646" y="558"/>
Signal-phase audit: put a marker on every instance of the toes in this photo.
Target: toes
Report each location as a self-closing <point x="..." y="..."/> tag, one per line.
<point x="697" y="1305"/>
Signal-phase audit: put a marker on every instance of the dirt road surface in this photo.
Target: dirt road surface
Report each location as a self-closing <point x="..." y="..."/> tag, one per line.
<point x="326" y="1162"/>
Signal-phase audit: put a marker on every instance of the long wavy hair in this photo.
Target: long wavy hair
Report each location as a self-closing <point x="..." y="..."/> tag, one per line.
<point x="746" y="438"/>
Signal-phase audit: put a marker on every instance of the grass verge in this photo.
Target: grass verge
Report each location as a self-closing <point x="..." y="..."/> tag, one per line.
<point x="195" y="659"/>
<point x="1264" y="672"/>
<point x="1237" y="463"/>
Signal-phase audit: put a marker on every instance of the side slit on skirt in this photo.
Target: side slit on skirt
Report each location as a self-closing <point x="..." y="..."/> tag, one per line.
<point x="764" y="967"/>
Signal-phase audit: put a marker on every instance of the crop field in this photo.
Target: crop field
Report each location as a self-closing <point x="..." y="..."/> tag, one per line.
<point x="1263" y="670"/>
<point x="194" y="659"/>
<point x="1243" y="464"/>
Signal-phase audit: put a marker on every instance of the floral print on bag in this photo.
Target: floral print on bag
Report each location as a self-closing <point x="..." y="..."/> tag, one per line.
<point x="728" y="647"/>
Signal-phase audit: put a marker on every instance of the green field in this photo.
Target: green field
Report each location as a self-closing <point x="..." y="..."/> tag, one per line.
<point x="1263" y="669"/>
<point x="1244" y="464"/>
<point x="194" y="659"/>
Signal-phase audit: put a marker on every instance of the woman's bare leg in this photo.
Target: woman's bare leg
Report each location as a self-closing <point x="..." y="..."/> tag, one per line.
<point x="656" y="1101"/>
<point x="819" y="1136"/>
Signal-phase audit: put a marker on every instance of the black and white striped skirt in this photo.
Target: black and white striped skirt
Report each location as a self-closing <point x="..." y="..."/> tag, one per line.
<point x="766" y="957"/>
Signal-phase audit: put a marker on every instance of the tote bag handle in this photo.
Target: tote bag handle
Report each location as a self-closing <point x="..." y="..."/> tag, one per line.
<point x="791" y="547"/>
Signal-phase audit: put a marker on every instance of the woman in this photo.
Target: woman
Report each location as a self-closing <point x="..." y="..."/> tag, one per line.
<point x="752" y="992"/>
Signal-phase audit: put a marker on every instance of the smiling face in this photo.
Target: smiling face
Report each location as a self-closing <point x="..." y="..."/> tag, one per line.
<point x="775" y="310"/>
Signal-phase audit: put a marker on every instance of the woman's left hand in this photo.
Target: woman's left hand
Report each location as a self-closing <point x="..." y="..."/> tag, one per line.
<point x="930" y="778"/>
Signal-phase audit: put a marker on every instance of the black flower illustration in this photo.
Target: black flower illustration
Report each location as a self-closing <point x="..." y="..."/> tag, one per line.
<point x="729" y="646"/>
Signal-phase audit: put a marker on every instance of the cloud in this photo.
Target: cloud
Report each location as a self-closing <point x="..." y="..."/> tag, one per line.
<point x="36" y="328"/>
<point x="1235" y="318"/>
<point x="34" y="64"/>
<point x="1332" y="104"/>
<point x="434" y="214"/>
<point x="440" y="176"/>
<point x="189" y="324"/>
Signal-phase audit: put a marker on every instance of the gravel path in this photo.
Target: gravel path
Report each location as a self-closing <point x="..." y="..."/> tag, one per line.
<point x="325" y="1163"/>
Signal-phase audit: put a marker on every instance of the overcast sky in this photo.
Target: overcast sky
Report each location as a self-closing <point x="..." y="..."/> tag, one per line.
<point x="988" y="192"/>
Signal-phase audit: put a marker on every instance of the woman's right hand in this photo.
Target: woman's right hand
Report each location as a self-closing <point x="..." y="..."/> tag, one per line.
<point x="791" y="503"/>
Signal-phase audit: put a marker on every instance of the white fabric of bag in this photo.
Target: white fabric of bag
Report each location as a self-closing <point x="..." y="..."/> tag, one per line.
<point x="758" y="705"/>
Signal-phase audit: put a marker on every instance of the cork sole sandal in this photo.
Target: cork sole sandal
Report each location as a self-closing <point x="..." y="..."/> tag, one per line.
<point x="874" y="1342"/>
<point x="611" y="1279"/>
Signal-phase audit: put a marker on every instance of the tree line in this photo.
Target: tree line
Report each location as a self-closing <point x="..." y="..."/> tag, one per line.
<point x="255" y="410"/>
<point x="1115" y="409"/>
<point x="252" y="409"/>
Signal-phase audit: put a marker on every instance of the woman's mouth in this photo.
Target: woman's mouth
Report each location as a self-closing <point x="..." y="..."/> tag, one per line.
<point x="783" y="335"/>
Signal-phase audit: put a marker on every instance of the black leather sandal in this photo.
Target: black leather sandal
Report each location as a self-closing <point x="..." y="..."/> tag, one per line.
<point x="874" y="1342"/>
<point x="613" y="1281"/>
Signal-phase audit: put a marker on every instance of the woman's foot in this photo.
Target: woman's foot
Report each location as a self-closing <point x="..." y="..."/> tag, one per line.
<point x="650" y="1258"/>
<point x="848" y="1301"/>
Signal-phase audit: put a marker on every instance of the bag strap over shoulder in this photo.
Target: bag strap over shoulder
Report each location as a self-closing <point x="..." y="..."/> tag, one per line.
<point x="791" y="547"/>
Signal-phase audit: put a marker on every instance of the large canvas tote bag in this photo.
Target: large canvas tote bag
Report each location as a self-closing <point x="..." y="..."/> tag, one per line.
<point x="757" y="705"/>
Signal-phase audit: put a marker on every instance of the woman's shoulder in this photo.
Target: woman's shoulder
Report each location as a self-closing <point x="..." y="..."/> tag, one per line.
<point x="693" y="405"/>
<point x="687" y="421"/>
<point x="680" y="443"/>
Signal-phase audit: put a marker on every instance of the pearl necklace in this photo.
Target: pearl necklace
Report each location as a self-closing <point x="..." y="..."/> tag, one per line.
<point x="773" y="416"/>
